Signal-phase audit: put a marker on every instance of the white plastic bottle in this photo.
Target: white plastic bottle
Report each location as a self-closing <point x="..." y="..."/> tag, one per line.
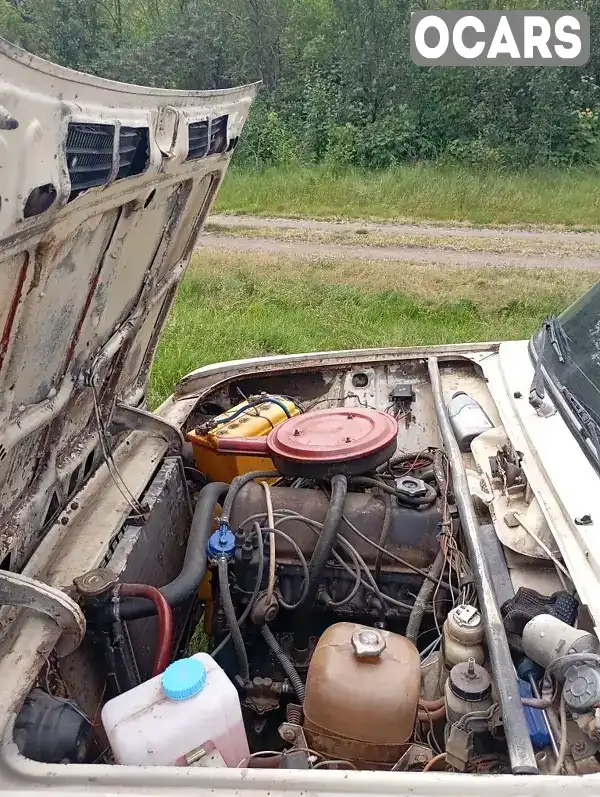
<point x="172" y="719"/>
<point x="468" y="419"/>
<point x="462" y="635"/>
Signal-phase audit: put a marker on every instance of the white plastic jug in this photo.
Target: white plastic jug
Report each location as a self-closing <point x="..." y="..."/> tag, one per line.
<point x="170" y="718"/>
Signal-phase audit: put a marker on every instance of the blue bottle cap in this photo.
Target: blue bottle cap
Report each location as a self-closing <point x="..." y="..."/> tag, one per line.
<point x="183" y="679"/>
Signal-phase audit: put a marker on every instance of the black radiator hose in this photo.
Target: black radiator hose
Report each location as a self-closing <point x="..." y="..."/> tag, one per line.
<point x="237" y="484"/>
<point x="321" y="553"/>
<point x="286" y="663"/>
<point x="194" y="563"/>
<point x="232" y="623"/>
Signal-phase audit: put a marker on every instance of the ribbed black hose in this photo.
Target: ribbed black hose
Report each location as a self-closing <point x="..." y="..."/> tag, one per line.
<point x="232" y="623"/>
<point x="237" y="484"/>
<point x="321" y="553"/>
<point x="423" y="597"/>
<point x="429" y="584"/>
<point x="285" y="662"/>
<point x="194" y="563"/>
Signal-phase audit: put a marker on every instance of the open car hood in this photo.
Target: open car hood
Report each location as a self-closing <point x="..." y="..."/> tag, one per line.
<point x="104" y="188"/>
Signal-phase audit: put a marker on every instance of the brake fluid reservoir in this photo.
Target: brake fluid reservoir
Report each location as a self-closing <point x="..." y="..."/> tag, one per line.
<point x="463" y="636"/>
<point x="362" y="692"/>
<point x="190" y="712"/>
<point x="468" y="688"/>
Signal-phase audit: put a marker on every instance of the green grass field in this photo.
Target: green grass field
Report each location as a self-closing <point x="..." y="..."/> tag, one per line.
<point x="421" y="192"/>
<point x="231" y="306"/>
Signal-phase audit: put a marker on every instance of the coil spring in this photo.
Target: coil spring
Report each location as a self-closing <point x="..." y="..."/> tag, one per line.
<point x="293" y="714"/>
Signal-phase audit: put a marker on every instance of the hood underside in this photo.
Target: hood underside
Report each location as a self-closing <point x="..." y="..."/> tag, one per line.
<point x="104" y="188"/>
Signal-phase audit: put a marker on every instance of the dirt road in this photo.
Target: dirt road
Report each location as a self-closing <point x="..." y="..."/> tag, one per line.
<point x="428" y="244"/>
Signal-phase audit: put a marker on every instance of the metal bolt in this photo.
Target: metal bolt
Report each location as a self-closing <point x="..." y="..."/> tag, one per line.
<point x="518" y="394"/>
<point x="64" y="520"/>
<point x="74" y="505"/>
<point x="579" y="746"/>
<point x="296" y="432"/>
<point x="348" y="439"/>
<point x="471" y="667"/>
<point x="289" y="735"/>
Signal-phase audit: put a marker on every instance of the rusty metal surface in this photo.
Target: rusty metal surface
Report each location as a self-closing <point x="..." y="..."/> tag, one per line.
<point x="412" y="535"/>
<point x="19" y="590"/>
<point x="86" y="283"/>
<point x="147" y="555"/>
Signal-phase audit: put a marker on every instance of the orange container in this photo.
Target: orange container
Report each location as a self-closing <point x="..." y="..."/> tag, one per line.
<point x="249" y="421"/>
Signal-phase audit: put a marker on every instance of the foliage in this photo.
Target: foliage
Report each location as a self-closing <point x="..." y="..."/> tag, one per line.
<point x="339" y="87"/>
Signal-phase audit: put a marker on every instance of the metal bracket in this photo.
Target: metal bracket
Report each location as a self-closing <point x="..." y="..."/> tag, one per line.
<point x="127" y="417"/>
<point x="19" y="590"/>
<point x="416" y="756"/>
<point x="293" y="734"/>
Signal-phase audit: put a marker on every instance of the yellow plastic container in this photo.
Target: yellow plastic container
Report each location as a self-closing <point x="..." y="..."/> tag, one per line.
<point x="254" y="421"/>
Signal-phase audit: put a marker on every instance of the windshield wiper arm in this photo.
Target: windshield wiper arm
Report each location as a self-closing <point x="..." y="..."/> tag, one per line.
<point x="588" y="424"/>
<point x="553" y="331"/>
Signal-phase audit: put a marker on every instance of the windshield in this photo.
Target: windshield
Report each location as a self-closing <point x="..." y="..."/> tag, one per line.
<point x="576" y="341"/>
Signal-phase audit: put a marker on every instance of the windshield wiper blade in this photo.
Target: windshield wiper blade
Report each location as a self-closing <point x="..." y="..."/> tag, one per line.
<point x="588" y="424"/>
<point x="554" y="331"/>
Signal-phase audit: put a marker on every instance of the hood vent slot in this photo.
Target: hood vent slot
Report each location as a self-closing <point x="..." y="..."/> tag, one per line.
<point x="90" y="153"/>
<point x="134" y="151"/>
<point x="89" y="156"/>
<point x="197" y="140"/>
<point x="207" y="137"/>
<point x="218" y="135"/>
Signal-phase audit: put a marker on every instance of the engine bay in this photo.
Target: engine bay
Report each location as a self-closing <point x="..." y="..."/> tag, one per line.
<point x="311" y="581"/>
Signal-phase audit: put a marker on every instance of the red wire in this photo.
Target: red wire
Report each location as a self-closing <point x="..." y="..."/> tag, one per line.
<point x="164" y="645"/>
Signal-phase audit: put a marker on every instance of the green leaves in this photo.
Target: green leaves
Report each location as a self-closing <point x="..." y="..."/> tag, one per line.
<point x="339" y="85"/>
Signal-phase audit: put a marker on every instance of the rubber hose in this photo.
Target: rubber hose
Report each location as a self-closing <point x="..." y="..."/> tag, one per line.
<point x="558" y="666"/>
<point x="193" y="570"/>
<point x="423" y="597"/>
<point x="439" y="468"/>
<point x="333" y="518"/>
<point x="255" y="591"/>
<point x="431" y="705"/>
<point x="321" y="553"/>
<point x="385" y="531"/>
<point x="232" y="623"/>
<point x="422" y="456"/>
<point x="425" y="715"/>
<point x="237" y="484"/>
<point x="285" y="661"/>
<point x="425" y="500"/>
<point x="164" y="644"/>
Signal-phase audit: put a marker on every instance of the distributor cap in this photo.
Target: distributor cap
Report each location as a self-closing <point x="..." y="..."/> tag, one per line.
<point x="221" y="543"/>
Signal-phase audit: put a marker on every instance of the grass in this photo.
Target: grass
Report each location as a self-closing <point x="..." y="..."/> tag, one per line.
<point x="421" y="192"/>
<point x="231" y="306"/>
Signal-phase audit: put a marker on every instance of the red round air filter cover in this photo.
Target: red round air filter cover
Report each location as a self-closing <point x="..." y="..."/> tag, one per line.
<point x="333" y="435"/>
